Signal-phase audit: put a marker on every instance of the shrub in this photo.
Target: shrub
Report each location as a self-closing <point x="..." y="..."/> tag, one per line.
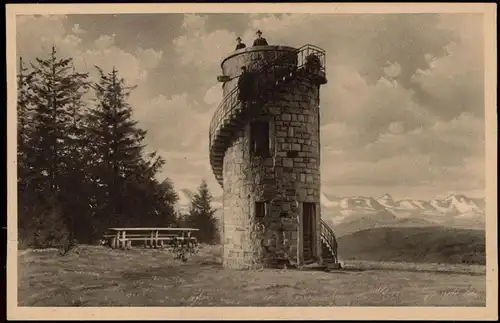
<point x="46" y="227"/>
<point x="183" y="248"/>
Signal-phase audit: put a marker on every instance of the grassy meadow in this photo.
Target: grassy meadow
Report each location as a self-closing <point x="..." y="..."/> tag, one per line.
<point x="100" y="276"/>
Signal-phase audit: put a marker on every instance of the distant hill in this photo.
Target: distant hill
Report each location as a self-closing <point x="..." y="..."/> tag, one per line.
<point x="415" y="244"/>
<point x="379" y="220"/>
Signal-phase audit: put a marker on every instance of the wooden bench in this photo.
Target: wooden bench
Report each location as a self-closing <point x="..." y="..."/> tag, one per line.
<point x="152" y="237"/>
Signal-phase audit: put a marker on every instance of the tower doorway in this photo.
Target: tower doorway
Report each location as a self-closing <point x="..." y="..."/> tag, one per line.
<point x="308" y="230"/>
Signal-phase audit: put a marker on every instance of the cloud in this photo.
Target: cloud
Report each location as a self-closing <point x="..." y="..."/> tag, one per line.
<point x="104" y="42"/>
<point x="214" y="95"/>
<point x="370" y="108"/>
<point x="45" y="31"/>
<point x="453" y="84"/>
<point x="399" y="116"/>
<point x="199" y="48"/>
<point x="338" y="136"/>
<point x="408" y="169"/>
<point x="149" y="57"/>
<point x="448" y="153"/>
<point x="48" y="31"/>
<point x="175" y="123"/>
<point x="449" y="142"/>
<point x="396" y="128"/>
<point x="129" y="66"/>
<point x="392" y="70"/>
<point x="77" y="30"/>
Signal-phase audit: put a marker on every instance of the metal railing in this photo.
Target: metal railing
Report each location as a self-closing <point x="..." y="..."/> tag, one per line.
<point x="328" y="237"/>
<point x="293" y="61"/>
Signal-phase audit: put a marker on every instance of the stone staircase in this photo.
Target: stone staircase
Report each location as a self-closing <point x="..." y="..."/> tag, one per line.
<point x="232" y="114"/>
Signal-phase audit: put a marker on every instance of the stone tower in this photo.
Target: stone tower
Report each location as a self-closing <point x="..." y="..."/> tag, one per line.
<point x="265" y="153"/>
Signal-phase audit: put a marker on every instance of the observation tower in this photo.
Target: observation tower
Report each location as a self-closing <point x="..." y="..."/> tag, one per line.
<point x="265" y="153"/>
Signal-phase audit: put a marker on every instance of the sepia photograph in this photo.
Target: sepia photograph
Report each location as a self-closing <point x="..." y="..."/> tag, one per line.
<point x="230" y="158"/>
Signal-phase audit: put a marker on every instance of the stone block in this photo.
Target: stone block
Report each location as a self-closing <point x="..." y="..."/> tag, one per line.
<point x="274" y="110"/>
<point x="281" y="153"/>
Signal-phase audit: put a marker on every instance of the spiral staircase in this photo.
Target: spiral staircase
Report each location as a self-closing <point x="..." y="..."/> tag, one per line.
<point x="232" y="114"/>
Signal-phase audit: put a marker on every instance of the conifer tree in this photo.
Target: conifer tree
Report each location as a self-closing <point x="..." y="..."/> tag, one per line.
<point x="23" y="116"/>
<point x="24" y="125"/>
<point x="201" y="215"/>
<point x="24" y="128"/>
<point x="126" y="190"/>
<point x="74" y="197"/>
<point x="45" y="110"/>
<point x="55" y="87"/>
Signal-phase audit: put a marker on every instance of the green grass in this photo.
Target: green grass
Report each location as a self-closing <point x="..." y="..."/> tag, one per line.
<point x="99" y="276"/>
<point x="416" y="244"/>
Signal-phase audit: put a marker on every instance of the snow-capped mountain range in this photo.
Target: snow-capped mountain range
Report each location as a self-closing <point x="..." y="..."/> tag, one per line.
<point x="351" y="214"/>
<point x="453" y="205"/>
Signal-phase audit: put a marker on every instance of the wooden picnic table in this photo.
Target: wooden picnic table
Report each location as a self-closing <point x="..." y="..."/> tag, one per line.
<point x="154" y="237"/>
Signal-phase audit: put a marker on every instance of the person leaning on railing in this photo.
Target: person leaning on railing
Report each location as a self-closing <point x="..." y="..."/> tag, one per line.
<point x="312" y="63"/>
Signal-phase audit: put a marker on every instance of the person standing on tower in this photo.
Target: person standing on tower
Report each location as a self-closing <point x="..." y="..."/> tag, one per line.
<point x="260" y="41"/>
<point x="240" y="44"/>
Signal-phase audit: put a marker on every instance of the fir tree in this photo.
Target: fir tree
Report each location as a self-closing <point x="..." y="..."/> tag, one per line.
<point x="201" y="215"/>
<point x="55" y="88"/>
<point x="46" y="106"/>
<point x="24" y="116"/>
<point x="74" y="198"/>
<point x="24" y="129"/>
<point x="127" y="192"/>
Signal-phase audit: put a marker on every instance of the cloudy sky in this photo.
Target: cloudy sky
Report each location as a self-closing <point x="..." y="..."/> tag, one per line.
<point x="402" y="113"/>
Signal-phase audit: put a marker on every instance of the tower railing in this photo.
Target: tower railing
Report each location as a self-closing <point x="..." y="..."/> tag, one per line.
<point x="274" y="68"/>
<point x="328" y="237"/>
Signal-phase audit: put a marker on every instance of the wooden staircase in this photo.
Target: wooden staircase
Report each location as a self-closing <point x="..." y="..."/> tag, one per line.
<point x="232" y="114"/>
<point x="329" y="246"/>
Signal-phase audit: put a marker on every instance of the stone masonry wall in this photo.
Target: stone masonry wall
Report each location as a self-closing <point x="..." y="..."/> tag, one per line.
<point x="284" y="181"/>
